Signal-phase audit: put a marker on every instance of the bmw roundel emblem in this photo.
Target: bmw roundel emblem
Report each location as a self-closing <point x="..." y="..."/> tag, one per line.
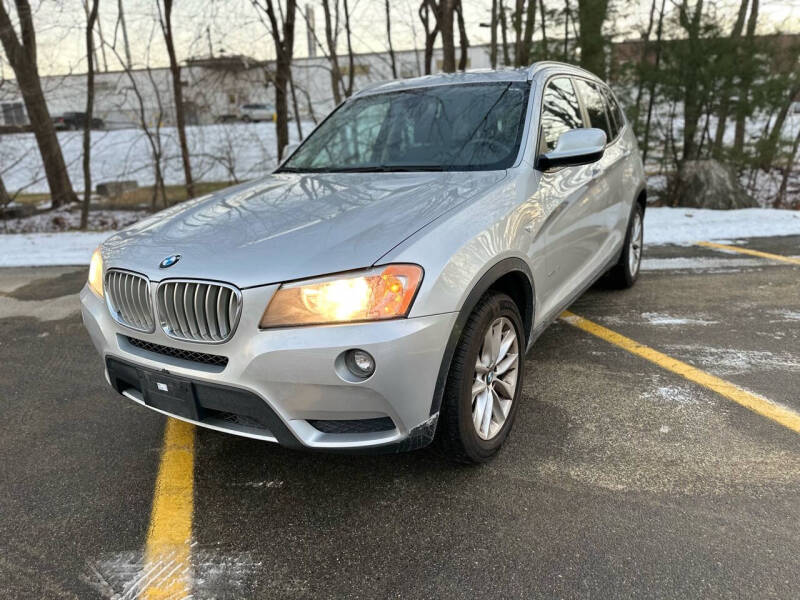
<point x="169" y="261"/>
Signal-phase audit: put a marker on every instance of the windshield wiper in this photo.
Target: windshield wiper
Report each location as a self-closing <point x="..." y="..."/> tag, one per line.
<point x="388" y="169"/>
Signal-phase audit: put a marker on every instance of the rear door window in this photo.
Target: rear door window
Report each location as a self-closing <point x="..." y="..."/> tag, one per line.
<point x="560" y="112"/>
<point x="595" y="106"/>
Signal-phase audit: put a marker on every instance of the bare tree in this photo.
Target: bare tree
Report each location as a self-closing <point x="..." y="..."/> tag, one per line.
<point x="283" y="38"/>
<point x="87" y="124"/>
<point x="165" y="20"/>
<point x="543" y="21"/>
<point x="21" y="54"/>
<point x="431" y="32"/>
<point x="493" y="36"/>
<point x="746" y="79"/>
<point x="591" y="18"/>
<point x="331" y="38"/>
<point x="504" y="32"/>
<point x="443" y="11"/>
<point x="124" y="27"/>
<point x="350" y="56"/>
<point x="524" y="20"/>
<point x="389" y="39"/>
<point x="652" y="88"/>
<point x="462" y="37"/>
<point x="5" y="199"/>
<point x="727" y="85"/>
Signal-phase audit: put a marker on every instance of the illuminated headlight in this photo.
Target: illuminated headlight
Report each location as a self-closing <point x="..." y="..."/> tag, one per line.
<point x="382" y="293"/>
<point x="96" y="273"/>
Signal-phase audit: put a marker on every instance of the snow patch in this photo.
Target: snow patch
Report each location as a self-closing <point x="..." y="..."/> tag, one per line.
<point x="685" y="226"/>
<point x="727" y="361"/>
<point x="654" y="318"/>
<point x="39" y="249"/>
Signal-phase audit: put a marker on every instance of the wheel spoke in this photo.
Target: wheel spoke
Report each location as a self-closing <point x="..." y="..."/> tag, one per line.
<point x="478" y="387"/>
<point x="506" y="363"/>
<point x="506" y="387"/>
<point x="498" y="410"/>
<point x="487" y="414"/>
<point x="508" y="340"/>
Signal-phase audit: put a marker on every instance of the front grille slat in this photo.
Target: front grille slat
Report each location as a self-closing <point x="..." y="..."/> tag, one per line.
<point x="198" y="311"/>
<point x="128" y="297"/>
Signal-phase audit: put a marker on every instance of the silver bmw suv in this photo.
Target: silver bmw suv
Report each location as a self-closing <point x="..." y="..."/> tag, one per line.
<point x="379" y="290"/>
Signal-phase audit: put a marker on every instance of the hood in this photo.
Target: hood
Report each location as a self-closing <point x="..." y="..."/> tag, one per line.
<point x="292" y="226"/>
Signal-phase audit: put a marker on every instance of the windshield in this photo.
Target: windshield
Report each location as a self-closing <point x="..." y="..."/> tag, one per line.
<point x="450" y="127"/>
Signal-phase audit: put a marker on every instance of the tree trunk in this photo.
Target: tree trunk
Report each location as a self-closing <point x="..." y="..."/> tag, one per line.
<point x="444" y="17"/>
<point x="543" y="21"/>
<point x="330" y="38"/>
<point x="295" y="108"/>
<point x="567" y="12"/>
<point x="743" y="107"/>
<point x="177" y="90"/>
<point x="87" y="126"/>
<point x="591" y="16"/>
<point x="527" y="35"/>
<point x="504" y="33"/>
<point x="780" y="199"/>
<point x="5" y="198"/>
<point x="462" y="37"/>
<point x="430" y="33"/>
<point x="651" y="92"/>
<point x="22" y="58"/>
<point x="283" y="37"/>
<point x="392" y="58"/>
<point x="642" y="64"/>
<point x="121" y="19"/>
<point x="691" y="98"/>
<point x="773" y="139"/>
<point x="516" y="22"/>
<point x="493" y="36"/>
<point x="350" y="56"/>
<point x="725" y="93"/>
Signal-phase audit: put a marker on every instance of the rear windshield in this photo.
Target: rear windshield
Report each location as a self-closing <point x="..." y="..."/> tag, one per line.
<point x="449" y="127"/>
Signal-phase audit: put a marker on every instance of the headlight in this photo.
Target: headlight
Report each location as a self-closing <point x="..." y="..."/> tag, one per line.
<point x="382" y="293"/>
<point x="96" y="273"/>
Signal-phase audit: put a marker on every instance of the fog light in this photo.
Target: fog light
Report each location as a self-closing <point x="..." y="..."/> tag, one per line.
<point x="360" y="363"/>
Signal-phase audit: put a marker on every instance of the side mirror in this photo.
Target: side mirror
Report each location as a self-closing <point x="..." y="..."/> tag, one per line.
<point x="574" y="147"/>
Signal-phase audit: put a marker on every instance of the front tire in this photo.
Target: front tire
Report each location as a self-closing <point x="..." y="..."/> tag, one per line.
<point x="625" y="273"/>
<point x="484" y="384"/>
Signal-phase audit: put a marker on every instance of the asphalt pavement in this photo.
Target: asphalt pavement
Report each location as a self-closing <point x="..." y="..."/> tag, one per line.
<point x="619" y="480"/>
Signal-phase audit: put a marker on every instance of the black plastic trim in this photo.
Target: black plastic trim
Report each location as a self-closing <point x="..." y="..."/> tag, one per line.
<point x="504" y="267"/>
<point x="208" y="400"/>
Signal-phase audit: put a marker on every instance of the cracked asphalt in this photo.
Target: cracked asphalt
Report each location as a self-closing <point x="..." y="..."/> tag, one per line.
<point x="620" y="479"/>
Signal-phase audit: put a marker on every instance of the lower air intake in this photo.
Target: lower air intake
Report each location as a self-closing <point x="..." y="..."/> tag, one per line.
<point x="353" y="425"/>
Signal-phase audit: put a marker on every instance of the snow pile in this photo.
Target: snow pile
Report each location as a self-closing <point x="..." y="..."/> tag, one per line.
<point x="68" y="218"/>
<point x="685" y="226"/>
<point x="39" y="249"/>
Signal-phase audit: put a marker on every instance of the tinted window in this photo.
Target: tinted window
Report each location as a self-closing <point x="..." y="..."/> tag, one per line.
<point x="614" y="109"/>
<point x="560" y="111"/>
<point x="595" y="106"/>
<point x="447" y="127"/>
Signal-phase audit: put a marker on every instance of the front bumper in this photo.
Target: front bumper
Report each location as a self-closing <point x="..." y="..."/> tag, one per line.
<point x="294" y="372"/>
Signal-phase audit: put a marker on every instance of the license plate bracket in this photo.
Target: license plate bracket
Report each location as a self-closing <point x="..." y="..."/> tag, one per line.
<point x="170" y="394"/>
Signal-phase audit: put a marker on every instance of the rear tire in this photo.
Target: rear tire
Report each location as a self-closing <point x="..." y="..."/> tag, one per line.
<point x="625" y="273"/>
<point x="486" y="374"/>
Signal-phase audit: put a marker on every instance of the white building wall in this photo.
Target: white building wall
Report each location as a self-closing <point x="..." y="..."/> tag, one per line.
<point x="211" y="93"/>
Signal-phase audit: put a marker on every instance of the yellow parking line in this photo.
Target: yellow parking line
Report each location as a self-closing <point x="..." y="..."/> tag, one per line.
<point x="787" y="259"/>
<point x="758" y="404"/>
<point x="168" y="569"/>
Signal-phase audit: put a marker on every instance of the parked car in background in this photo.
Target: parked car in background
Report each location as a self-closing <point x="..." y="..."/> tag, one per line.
<point x="254" y="113"/>
<point x="76" y="120"/>
<point x="380" y="289"/>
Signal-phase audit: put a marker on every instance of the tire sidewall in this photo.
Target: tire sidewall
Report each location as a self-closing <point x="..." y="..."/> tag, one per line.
<point x="630" y="278"/>
<point x="477" y="448"/>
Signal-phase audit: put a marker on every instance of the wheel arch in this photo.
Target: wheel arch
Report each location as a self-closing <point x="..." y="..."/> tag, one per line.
<point x="511" y="276"/>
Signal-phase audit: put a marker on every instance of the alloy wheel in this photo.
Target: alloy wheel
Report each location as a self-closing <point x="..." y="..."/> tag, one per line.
<point x="495" y="380"/>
